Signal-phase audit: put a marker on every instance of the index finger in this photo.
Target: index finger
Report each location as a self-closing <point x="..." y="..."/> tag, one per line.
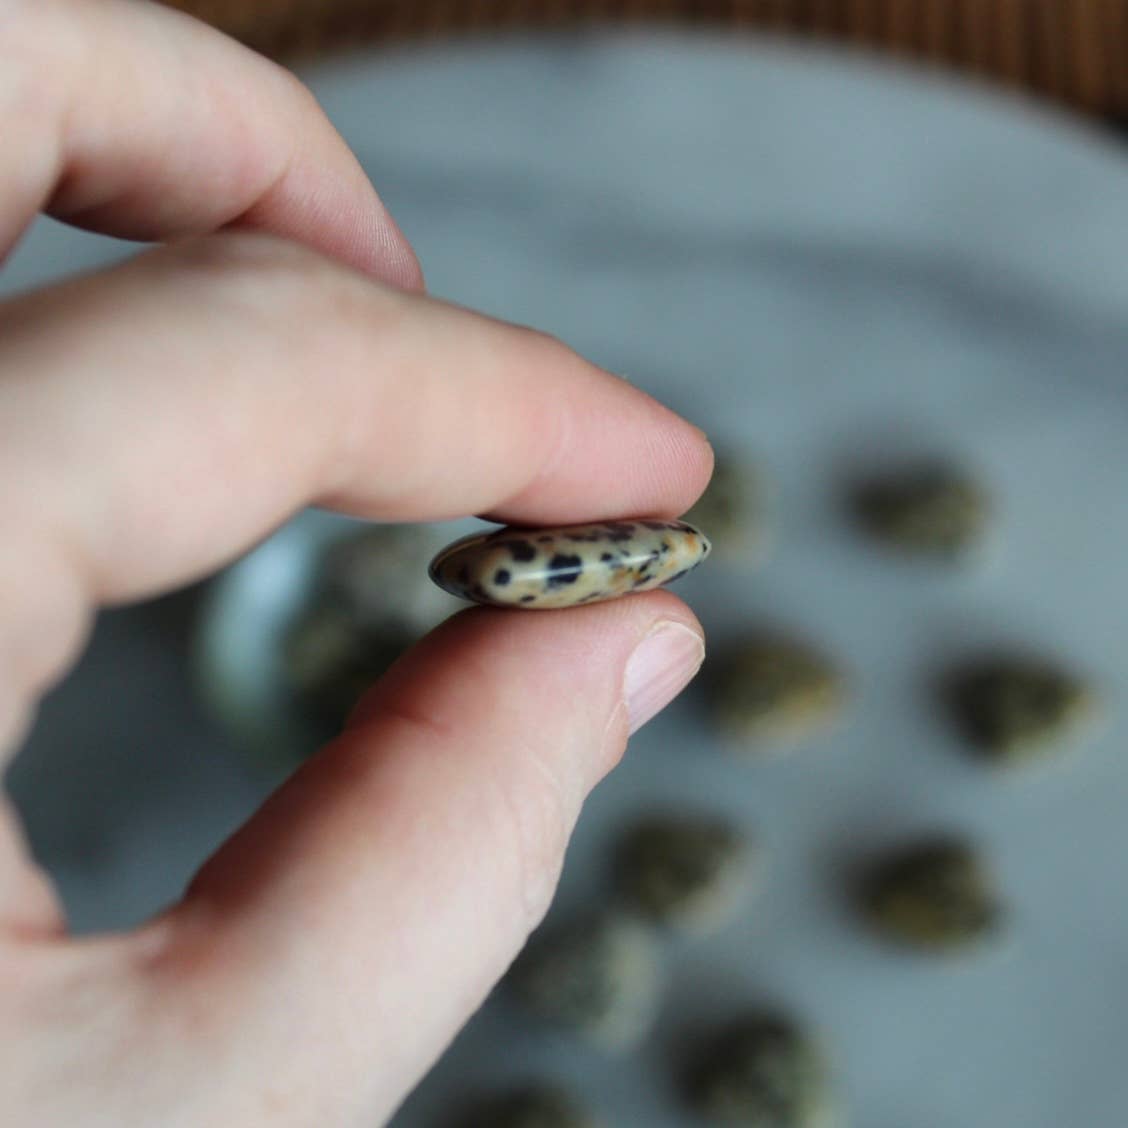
<point x="159" y="418"/>
<point x="154" y="126"/>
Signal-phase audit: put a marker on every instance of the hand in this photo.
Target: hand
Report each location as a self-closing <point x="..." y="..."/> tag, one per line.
<point x="156" y="420"/>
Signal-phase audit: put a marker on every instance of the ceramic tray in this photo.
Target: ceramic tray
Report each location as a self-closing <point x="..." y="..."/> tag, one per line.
<point x="826" y="265"/>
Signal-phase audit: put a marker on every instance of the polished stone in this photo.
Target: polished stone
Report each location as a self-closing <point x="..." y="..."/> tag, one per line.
<point x="542" y="569"/>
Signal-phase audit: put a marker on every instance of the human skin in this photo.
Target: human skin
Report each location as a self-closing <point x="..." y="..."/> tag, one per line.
<point x="156" y="420"/>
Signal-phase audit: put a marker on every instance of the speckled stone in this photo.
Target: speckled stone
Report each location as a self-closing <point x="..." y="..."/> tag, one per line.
<point x="599" y="977"/>
<point x="1019" y="709"/>
<point x="687" y="871"/>
<point x="763" y="1071"/>
<point x="375" y="573"/>
<point x="365" y="603"/>
<point x="935" y="895"/>
<point x="330" y="657"/>
<point x="543" y="569"/>
<point x="929" y="510"/>
<point x="771" y="693"/>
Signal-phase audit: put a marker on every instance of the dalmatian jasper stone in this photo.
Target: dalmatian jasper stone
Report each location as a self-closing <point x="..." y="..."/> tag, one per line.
<point x="543" y="569"/>
<point x="599" y="976"/>
<point x="765" y="1070"/>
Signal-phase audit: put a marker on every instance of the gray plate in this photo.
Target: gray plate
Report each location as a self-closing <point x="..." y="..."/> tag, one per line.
<point x="244" y="619"/>
<point x="827" y="265"/>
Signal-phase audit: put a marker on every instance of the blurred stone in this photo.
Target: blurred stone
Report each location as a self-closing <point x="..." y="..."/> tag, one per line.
<point x="927" y="510"/>
<point x="598" y="977"/>
<point x="732" y="510"/>
<point x="1018" y="709"/>
<point x="763" y="1071"/>
<point x="936" y="895"/>
<point x="771" y="692"/>
<point x="689" y="871"/>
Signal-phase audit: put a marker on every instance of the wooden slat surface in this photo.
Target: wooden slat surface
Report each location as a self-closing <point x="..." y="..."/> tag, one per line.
<point x="1072" y="51"/>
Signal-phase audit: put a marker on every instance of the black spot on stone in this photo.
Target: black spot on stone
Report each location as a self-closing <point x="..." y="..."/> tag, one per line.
<point x="501" y="577"/>
<point x="527" y="598"/>
<point x="564" y="568"/>
<point x="605" y="557"/>
<point x="584" y="538"/>
<point x="665" y="547"/>
<point x="520" y="550"/>
<point x="618" y="531"/>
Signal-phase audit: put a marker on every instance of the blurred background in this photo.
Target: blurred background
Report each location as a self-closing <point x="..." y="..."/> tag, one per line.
<point x="839" y="237"/>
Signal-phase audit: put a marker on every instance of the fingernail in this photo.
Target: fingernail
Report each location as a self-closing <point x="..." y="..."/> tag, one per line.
<point x="659" y="669"/>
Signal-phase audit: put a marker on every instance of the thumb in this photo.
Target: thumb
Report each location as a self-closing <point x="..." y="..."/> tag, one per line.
<point x="360" y="918"/>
